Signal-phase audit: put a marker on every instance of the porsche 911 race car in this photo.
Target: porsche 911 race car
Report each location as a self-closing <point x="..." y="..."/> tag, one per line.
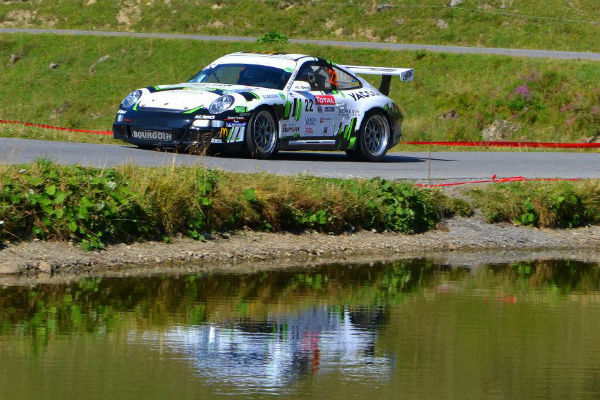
<point x="261" y="103"/>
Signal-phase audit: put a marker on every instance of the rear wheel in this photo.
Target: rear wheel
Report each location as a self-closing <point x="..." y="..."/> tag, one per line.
<point x="374" y="136"/>
<point x="261" y="134"/>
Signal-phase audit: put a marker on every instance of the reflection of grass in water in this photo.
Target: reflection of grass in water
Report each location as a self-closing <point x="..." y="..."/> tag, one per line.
<point x="117" y="305"/>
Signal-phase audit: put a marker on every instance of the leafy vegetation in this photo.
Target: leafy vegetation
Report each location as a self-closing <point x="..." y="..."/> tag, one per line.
<point x="272" y="37"/>
<point x="95" y="207"/>
<point x="541" y="204"/>
<point x="454" y="97"/>
<point x="549" y="24"/>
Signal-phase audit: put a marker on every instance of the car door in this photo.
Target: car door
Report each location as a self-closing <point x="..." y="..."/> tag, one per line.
<point x="313" y="107"/>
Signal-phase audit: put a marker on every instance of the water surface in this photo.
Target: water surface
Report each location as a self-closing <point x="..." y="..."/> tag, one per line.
<point x="411" y="329"/>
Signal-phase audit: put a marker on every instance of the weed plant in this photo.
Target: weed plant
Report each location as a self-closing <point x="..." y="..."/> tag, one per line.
<point x="541" y="204"/>
<point x="94" y="207"/>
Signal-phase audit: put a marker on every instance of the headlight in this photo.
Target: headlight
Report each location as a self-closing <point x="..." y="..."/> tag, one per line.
<point x="221" y="104"/>
<point x="131" y="99"/>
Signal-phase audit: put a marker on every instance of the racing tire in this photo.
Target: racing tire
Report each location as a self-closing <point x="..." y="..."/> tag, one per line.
<point x="261" y="134"/>
<point x="354" y="154"/>
<point x="374" y="136"/>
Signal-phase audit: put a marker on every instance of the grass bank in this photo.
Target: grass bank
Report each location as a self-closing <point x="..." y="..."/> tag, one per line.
<point x="94" y="207"/>
<point x="454" y="97"/>
<point x="541" y="204"/>
<point x="550" y="24"/>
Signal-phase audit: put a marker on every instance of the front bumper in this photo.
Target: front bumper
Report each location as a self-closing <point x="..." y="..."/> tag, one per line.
<point x="174" y="130"/>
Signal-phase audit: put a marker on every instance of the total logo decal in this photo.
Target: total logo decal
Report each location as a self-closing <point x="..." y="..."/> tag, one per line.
<point x="325" y="100"/>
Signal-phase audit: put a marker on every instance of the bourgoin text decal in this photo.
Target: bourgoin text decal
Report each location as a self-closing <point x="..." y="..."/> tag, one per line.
<point x="148" y="134"/>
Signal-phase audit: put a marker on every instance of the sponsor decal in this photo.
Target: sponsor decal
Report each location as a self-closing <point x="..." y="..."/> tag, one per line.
<point x="223" y="132"/>
<point x="325" y="120"/>
<point x="329" y="109"/>
<point x="325" y="100"/>
<point x="270" y="96"/>
<point x="150" y="134"/>
<point x="204" y="117"/>
<point x="121" y="112"/>
<point x="363" y="94"/>
<point x="238" y="118"/>
<point x="290" y="129"/>
<point x="240" y="109"/>
<point x="320" y="109"/>
<point x="325" y="130"/>
<point x="216" y="140"/>
<point x="350" y="112"/>
<point x="311" y="121"/>
<point x="308" y="130"/>
<point x="236" y="124"/>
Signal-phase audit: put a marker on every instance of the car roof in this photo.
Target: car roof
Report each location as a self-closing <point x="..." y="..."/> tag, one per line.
<point x="278" y="60"/>
<point x="272" y="55"/>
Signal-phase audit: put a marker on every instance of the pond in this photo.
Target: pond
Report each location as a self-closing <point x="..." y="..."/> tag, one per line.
<point x="410" y="329"/>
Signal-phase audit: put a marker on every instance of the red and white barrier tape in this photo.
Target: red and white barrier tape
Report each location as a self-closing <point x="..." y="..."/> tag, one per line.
<point x="464" y="143"/>
<point x="498" y="180"/>
<point x="512" y="144"/>
<point x="57" y="128"/>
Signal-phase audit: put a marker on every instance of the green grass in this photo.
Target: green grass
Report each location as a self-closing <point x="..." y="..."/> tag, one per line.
<point x="25" y="132"/>
<point x="548" y="100"/>
<point x="546" y="24"/>
<point x="94" y="206"/>
<point x="541" y="204"/>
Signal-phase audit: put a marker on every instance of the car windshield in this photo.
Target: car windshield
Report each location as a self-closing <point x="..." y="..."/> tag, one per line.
<point x="244" y="74"/>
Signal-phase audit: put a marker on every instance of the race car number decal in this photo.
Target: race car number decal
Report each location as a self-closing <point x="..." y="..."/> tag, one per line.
<point x="325" y="100"/>
<point x="309" y="105"/>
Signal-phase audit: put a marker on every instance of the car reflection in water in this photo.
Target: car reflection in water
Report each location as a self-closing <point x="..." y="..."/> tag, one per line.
<point x="272" y="355"/>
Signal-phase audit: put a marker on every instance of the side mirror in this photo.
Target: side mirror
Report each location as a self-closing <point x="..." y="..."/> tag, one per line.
<point x="300" y="86"/>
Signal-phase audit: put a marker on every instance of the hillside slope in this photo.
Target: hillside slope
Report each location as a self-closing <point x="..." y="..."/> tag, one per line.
<point x="454" y="97"/>
<point x="543" y="24"/>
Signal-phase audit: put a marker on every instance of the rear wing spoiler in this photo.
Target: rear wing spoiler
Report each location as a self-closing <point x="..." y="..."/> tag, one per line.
<point x="405" y="74"/>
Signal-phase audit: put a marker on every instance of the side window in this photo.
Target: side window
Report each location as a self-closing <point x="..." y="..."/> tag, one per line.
<point x="316" y="76"/>
<point x="345" y="81"/>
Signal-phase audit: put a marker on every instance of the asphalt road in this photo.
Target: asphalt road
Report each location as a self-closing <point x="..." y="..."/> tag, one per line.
<point x="443" y="166"/>
<point x="370" y="45"/>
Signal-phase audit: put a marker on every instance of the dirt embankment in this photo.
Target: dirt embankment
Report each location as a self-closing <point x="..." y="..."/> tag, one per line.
<point x="467" y="241"/>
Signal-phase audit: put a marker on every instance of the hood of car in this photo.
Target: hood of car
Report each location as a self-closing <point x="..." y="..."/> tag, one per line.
<point x="178" y="99"/>
<point x="189" y="96"/>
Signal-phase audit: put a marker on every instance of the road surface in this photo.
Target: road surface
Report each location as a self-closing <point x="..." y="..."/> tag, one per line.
<point x="416" y="166"/>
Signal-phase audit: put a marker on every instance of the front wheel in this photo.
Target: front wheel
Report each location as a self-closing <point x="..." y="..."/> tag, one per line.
<point x="374" y="136"/>
<point x="261" y="134"/>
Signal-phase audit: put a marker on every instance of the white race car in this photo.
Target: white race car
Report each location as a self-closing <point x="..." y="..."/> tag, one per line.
<point x="261" y="103"/>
